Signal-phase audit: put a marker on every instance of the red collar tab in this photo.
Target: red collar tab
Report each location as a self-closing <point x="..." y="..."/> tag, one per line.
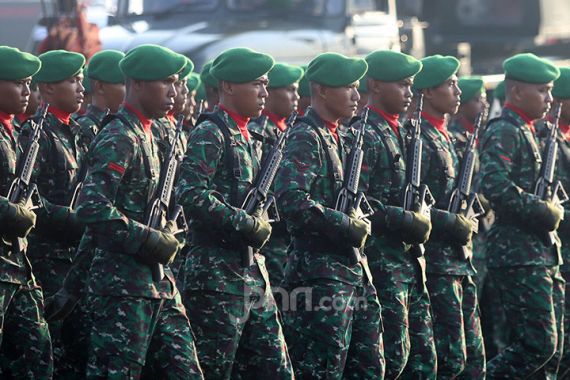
<point x="519" y="112"/>
<point x="280" y="122"/>
<point x="171" y="117"/>
<point x="240" y="121"/>
<point x="438" y="123"/>
<point x="565" y="129"/>
<point x="6" y="119"/>
<point x="332" y="128"/>
<point x="146" y="122"/>
<point x="62" y="116"/>
<point x="391" y="119"/>
<point x="21" y="117"/>
<point x="467" y="125"/>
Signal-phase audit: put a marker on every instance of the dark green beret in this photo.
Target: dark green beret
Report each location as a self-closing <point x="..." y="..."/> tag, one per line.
<point x="16" y="64"/>
<point x="86" y="81"/>
<point x="58" y="65"/>
<point x="436" y="69"/>
<point x="529" y="68"/>
<point x="304" y="88"/>
<point x="201" y="92"/>
<point x="470" y="87"/>
<point x="185" y="73"/>
<point x="391" y="66"/>
<point x="193" y="82"/>
<point x="363" y="86"/>
<point x="241" y="65"/>
<point x="283" y="75"/>
<point x="499" y="92"/>
<point x="206" y="77"/>
<point x="104" y="66"/>
<point x="151" y="62"/>
<point x="561" y="88"/>
<point x="336" y="70"/>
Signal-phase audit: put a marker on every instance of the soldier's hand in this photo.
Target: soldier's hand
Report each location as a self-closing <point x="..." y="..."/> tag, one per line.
<point x="461" y="231"/>
<point x="160" y="247"/>
<point x="18" y="221"/>
<point x="254" y="230"/>
<point x="60" y="305"/>
<point x="547" y="215"/>
<point x="416" y="228"/>
<point x="357" y="230"/>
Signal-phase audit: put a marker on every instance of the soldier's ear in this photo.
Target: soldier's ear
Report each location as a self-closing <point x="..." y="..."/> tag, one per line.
<point x="373" y="86"/>
<point x="46" y="89"/>
<point x="226" y="87"/>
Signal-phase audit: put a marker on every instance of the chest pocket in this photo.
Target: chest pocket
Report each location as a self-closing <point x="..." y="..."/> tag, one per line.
<point x="63" y="166"/>
<point x="533" y="149"/>
<point x="442" y="162"/>
<point x="395" y="164"/>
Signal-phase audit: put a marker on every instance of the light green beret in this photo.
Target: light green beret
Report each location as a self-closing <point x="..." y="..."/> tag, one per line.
<point x="16" y="64"/>
<point x="470" y="87"/>
<point x="391" y="66"/>
<point x="241" y="65"/>
<point x="363" y="86"/>
<point x="58" y="65"/>
<point x="499" y="92"/>
<point x="193" y="82"/>
<point x="201" y="92"/>
<point x="104" y="66"/>
<point x="207" y="78"/>
<point x="561" y="88"/>
<point x="336" y="70"/>
<point x="283" y="75"/>
<point x="185" y="73"/>
<point x="304" y="88"/>
<point x="151" y="62"/>
<point x="436" y="69"/>
<point x="86" y="82"/>
<point x="529" y="68"/>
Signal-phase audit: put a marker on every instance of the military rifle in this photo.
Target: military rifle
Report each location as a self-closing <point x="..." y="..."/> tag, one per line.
<point x="159" y="206"/>
<point x="21" y="190"/>
<point x="258" y="197"/>
<point x="417" y="196"/>
<point x="463" y="201"/>
<point x="349" y="196"/>
<point x="546" y="188"/>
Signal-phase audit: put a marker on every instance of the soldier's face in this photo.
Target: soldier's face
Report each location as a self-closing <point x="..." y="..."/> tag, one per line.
<point x="190" y="105"/>
<point x="284" y="100"/>
<point x="66" y="95"/>
<point x="249" y="98"/>
<point x="341" y="102"/>
<point x="181" y="96"/>
<point x="394" y="97"/>
<point x="533" y="99"/>
<point x="14" y="95"/>
<point x="473" y="107"/>
<point x="34" y="101"/>
<point x="157" y="97"/>
<point x="445" y="97"/>
<point x="565" y="110"/>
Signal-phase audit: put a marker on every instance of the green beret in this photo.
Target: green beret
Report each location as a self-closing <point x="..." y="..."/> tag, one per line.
<point x="336" y="70"/>
<point x="470" y="87"/>
<point x="16" y="64"/>
<point x="201" y="92"/>
<point x="561" y="88"/>
<point x="241" y="65"/>
<point x="58" y="65"/>
<point x="151" y="62"/>
<point x="499" y="92"/>
<point x="283" y="75"/>
<point x="206" y="77"/>
<point x="304" y="88"/>
<point x="436" y="69"/>
<point x="193" y="82"/>
<point x="529" y="68"/>
<point x="363" y="86"/>
<point x="104" y="66"/>
<point x="86" y="82"/>
<point x="391" y="66"/>
<point x="185" y="73"/>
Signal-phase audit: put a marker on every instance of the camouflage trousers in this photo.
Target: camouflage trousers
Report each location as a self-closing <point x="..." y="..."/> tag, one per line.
<point x="134" y="337"/>
<point x="275" y="252"/>
<point x="24" y="334"/>
<point x="533" y="299"/>
<point x="457" y="327"/>
<point x="334" y="331"/>
<point x="564" y="370"/>
<point x="409" y="346"/>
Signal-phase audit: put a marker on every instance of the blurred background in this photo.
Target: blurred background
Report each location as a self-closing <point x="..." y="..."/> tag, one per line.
<point x="481" y="33"/>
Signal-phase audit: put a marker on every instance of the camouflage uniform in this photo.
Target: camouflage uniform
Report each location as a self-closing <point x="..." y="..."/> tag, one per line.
<point x="457" y="326"/>
<point x="526" y="271"/>
<point x="26" y="348"/>
<point x="343" y="338"/>
<point x="236" y="319"/>
<point x="134" y="320"/>
<point x="275" y="251"/>
<point x="409" y="346"/>
<point x="89" y="126"/>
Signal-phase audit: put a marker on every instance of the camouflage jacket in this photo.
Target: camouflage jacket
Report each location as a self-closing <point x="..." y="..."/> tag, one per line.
<point x="164" y="132"/>
<point x="440" y="168"/>
<point x="124" y="171"/>
<point x="89" y="126"/>
<point x="306" y="187"/>
<point x="55" y="174"/>
<point x="14" y="266"/>
<point x="510" y="165"/>
<point x="383" y="180"/>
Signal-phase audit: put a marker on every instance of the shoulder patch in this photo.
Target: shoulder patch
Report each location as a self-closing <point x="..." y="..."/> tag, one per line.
<point x="116" y="167"/>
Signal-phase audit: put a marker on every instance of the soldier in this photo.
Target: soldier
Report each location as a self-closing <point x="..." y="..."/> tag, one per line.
<point x="457" y="326"/>
<point x="333" y="314"/>
<point x="24" y="334"/>
<point x="363" y="92"/>
<point x="33" y="105"/>
<point x="52" y="244"/>
<point x="282" y="100"/>
<point x="561" y="93"/>
<point x="398" y="274"/>
<point x="193" y="84"/>
<point x="135" y="321"/>
<point x="304" y="93"/>
<point x="211" y="86"/>
<point x="524" y="268"/>
<point x="107" y="84"/>
<point x="230" y="301"/>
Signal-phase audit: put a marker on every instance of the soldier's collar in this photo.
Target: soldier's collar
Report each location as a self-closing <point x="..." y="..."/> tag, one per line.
<point x="146" y="122"/>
